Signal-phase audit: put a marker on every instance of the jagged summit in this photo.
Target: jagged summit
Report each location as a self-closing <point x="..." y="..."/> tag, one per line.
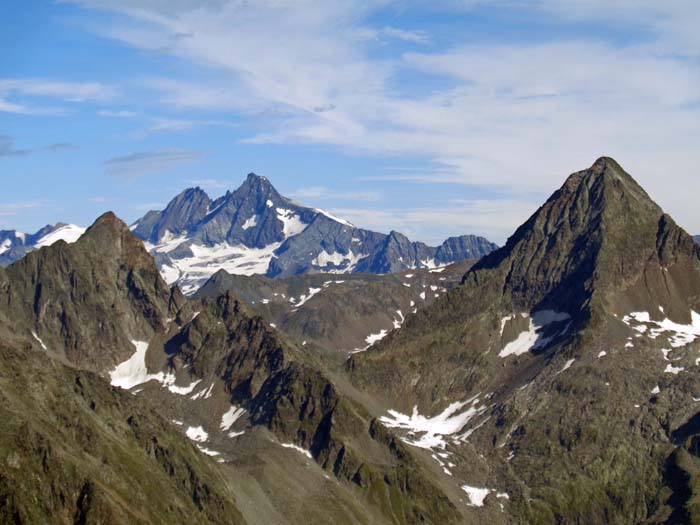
<point x="255" y="230"/>
<point x="598" y="231"/>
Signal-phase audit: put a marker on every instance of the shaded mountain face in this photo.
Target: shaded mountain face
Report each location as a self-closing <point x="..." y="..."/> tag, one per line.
<point x="278" y="438"/>
<point x="75" y="450"/>
<point x="339" y="314"/>
<point x="256" y="231"/>
<point x="696" y="238"/>
<point x="568" y="359"/>
<point x="14" y="245"/>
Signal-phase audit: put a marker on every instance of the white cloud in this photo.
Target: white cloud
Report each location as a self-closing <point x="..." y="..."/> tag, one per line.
<point x="321" y="193"/>
<point x="515" y="117"/>
<point x="13" y="208"/>
<point x="42" y="88"/>
<point x="493" y="219"/>
<point x="146" y="162"/>
<point x="118" y="114"/>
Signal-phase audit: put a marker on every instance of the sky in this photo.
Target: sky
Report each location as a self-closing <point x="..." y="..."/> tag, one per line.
<point x="431" y="118"/>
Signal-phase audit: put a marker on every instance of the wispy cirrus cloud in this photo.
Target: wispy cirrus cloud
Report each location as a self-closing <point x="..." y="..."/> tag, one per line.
<point x="494" y="219"/>
<point x="31" y="88"/>
<point x="323" y="193"/>
<point x="516" y="116"/>
<point x="123" y="113"/>
<point x="11" y="209"/>
<point x="8" y="149"/>
<point x="146" y="162"/>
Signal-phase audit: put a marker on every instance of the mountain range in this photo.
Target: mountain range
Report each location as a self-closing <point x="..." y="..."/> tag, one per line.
<point x="255" y="230"/>
<point x="338" y="314"/>
<point x="556" y="381"/>
<point x="14" y="245"/>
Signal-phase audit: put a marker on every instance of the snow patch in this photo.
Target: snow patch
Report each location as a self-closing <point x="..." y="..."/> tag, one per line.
<point x="230" y="417"/>
<point x="433" y="429"/>
<point x="5" y="246"/>
<point x="291" y="222"/>
<point x="69" y="233"/>
<point x="39" y="340"/>
<point x="476" y="495"/>
<point x="250" y="223"/>
<point x="298" y="449"/>
<point x="680" y="334"/>
<point x="133" y="371"/>
<point x="567" y="365"/>
<point x="532" y="338"/>
<point x="334" y="218"/>
<point x="196" y="434"/>
<point x="670" y="369"/>
<point x="304" y="298"/>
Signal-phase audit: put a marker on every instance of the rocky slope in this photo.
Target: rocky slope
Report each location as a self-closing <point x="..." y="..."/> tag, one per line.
<point x="558" y="383"/>
<point x="255" y="230"/>
<point x="75" y="450"/>
<point x="568" y="360"/>
<point x="14" y="245"/>
<point x="338" y="314"/>
<point x="264" y="411"/>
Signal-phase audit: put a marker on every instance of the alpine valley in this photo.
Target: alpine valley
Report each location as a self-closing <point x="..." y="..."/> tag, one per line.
<point x="251" y="360"/>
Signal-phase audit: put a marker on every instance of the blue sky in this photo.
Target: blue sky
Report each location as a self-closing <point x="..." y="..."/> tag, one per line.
<point x="459" y="117"/>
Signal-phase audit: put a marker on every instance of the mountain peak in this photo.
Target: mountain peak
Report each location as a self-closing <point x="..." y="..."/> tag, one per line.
<point x="110" y="236"/>
<point x="598" y="230"/>
<point x="256" y="185"/>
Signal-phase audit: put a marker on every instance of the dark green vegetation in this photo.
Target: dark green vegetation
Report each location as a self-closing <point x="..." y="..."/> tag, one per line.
<point x="566" y="360"/>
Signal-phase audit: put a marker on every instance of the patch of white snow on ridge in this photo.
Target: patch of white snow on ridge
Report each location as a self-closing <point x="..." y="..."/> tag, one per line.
<point x="298" y="449"/>
<point x="567" y="365"/>
<point x="291" y="222"/>
<point x="350" y="260"/>
<point x="197" y="434"/>
<point x="180" y="390"/>
<point x="39" y="340"/>
<point x="69" y="233"/>
<point x="304" y="298"/>
<point x="208" y="452"/>
<point x="269" y="203"/>
<point x="532" y="338"/>
<point x="206" y="261"/>
<point x="167" y="243"/>
<point x="334" y="218"/>
<point x="230" y="417"/>
<point x="670" y="369"/>
<point x="476" y="495"/>
<point x="373" y="338"/>
<point x="169" y="274"/>
<point x="250" y="223"/>
<point x="133" y="371"/>
<point x="680" y="334"/>
<point x="5" y="246"/>
<point x="433" y="429"/>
